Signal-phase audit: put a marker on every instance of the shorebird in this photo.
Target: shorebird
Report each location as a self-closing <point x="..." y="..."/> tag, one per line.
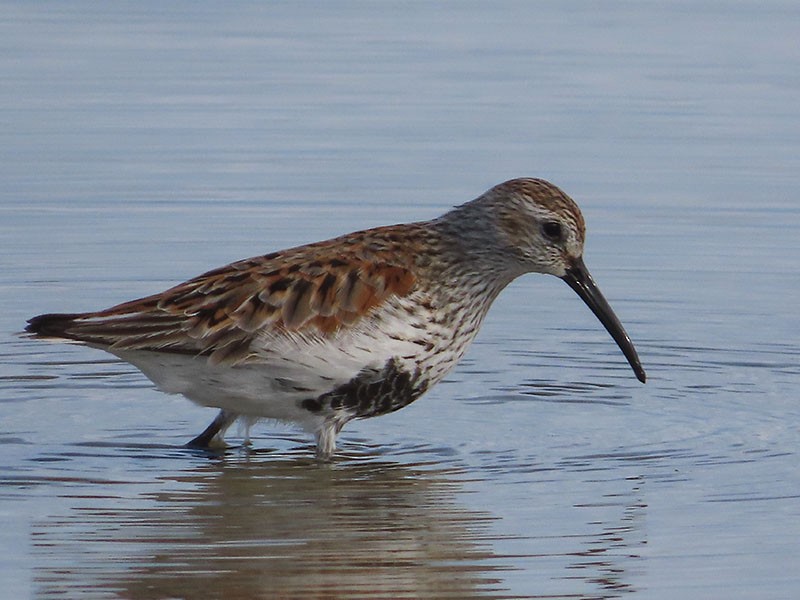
<point x="353" y="327"/>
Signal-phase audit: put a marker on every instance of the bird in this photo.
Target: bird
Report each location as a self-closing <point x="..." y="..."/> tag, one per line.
<point x="353" y="327"/>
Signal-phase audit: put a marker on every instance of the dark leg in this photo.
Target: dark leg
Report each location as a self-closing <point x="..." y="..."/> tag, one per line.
<point x="212" y="436"/>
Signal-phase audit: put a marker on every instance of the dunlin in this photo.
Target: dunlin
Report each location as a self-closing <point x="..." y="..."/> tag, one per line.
<point x="349" y="328"/>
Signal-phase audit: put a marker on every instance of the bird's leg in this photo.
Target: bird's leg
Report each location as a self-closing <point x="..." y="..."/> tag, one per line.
<point x="326" y="438"/>
<point x="213" y="435"/>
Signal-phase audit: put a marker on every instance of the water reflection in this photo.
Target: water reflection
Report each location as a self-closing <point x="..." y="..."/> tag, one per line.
<point x="616" y="544"/>
<point x="284" y="528"/>
<point x="256" y="525"/>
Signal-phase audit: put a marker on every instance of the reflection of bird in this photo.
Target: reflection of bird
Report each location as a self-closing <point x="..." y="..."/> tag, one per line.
<point x="243" y="528"/>
<point x="353" y="327"/>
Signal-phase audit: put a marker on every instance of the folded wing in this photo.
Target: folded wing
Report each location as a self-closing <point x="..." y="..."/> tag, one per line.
<point x="220" y="313"/>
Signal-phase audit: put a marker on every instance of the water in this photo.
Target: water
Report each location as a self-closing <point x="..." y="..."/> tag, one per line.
<point x="145" y="143"/>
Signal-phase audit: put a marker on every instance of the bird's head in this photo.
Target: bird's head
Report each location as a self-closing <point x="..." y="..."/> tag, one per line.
<point x="537" y="228"/>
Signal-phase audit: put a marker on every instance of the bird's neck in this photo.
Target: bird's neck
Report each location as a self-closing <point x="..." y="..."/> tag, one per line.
<point x="473" y="254"/>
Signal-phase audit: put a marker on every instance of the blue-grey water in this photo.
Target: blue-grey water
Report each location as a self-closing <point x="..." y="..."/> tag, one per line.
<point x="143" y="143"/>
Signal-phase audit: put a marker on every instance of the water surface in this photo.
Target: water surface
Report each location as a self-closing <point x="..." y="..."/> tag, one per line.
<point x="143" y="144"/>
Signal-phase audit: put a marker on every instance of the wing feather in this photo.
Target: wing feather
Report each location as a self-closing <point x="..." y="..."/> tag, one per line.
<point x="314" y="290"/>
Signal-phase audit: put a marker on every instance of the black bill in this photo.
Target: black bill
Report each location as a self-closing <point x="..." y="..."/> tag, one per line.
<point x="579" y="279"/>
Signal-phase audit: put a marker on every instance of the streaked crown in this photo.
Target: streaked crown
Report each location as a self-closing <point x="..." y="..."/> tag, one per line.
<point x="530" y="224"/>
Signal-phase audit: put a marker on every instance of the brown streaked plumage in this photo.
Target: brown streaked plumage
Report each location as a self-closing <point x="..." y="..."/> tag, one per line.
<point x="351" y="327"/>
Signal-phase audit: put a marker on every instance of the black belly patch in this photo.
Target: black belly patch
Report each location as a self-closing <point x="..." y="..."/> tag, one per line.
<point x="371" y="392"/>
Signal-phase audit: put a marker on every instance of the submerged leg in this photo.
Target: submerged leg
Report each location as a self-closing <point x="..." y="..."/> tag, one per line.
<point x="212" y="436"/>
<point x="326" y="438"/>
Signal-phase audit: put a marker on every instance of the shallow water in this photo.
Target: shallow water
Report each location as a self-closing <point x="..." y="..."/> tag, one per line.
<point x="143" y="145"/>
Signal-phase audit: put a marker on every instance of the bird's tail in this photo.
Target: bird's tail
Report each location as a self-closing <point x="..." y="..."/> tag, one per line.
<point x="53" y="325"/>
<point x="122" y="327"/>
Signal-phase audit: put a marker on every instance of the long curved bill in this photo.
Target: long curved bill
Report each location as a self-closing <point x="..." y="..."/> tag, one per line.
<point x="579" y="279"/>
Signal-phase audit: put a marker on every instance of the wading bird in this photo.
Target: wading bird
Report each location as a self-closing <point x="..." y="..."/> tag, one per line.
<point x="353" y="327"/>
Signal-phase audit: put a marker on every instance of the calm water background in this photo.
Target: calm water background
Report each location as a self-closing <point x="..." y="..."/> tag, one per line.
<point x="143" y="143"/>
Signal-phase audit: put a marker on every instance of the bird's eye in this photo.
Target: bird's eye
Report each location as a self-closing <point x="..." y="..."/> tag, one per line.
<point x="552" y="230"/>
